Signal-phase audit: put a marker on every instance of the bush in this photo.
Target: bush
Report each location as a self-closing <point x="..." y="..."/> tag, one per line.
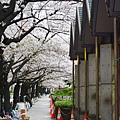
<point x="59" y="97"/>
<point x="64" y="103"/>
<point x="63" y="92"/>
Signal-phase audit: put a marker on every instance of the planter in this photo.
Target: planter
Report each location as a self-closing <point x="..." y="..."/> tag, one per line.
<point x="65" y="107"/>
<point x="66" y="113"/>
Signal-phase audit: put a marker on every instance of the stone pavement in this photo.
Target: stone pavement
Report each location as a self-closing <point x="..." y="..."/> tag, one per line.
<point x="40" y="109"/>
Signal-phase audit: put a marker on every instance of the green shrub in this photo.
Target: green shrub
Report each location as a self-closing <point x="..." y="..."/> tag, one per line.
<point x="64" y="104"/>
<point x="63" y="92"/>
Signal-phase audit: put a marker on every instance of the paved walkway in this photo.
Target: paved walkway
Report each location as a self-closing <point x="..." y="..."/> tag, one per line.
<point x="40" y="109"/>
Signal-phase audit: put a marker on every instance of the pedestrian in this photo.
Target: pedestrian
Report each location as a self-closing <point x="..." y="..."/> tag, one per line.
<point x="27" y="98"/>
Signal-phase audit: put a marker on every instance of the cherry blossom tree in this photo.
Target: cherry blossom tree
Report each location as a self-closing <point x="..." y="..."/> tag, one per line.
<point x="29" y="42"/>
<point x="41" y="63"/>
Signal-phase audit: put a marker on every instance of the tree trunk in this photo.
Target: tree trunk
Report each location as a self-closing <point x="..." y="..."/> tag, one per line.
<point x="16" y="95"/>
<point x="32" y="94"/>
<point x="1" y="72"/>
<point x="37" y="90"/>
<point x="41" y="89"/>
<point x="7" y="105"/>
<point x="1" y="83"/>
<point x="1" y="97"/>
<point x="24" y="91"/>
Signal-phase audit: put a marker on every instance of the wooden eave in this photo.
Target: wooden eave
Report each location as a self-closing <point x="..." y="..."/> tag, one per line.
<point x="101" y="23"/>
<point x="113" y="7"/>
<point x="86" y="37"/>
<point x="79" y="49"/>
<point x="72" y="51"/>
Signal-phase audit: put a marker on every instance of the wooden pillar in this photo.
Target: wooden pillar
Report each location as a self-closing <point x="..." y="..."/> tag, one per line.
<point x="77" y="89"/>
<point x="73" y="84"/>
<point x="78" y="62"/>
<point x="116" y="37"/>
<point x="86" y="95"/>
<point x="119" y="82"/>
<point x="97" y="77"/>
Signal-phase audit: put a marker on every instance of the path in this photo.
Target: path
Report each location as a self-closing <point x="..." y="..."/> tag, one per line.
<point x="40" y="109"/>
